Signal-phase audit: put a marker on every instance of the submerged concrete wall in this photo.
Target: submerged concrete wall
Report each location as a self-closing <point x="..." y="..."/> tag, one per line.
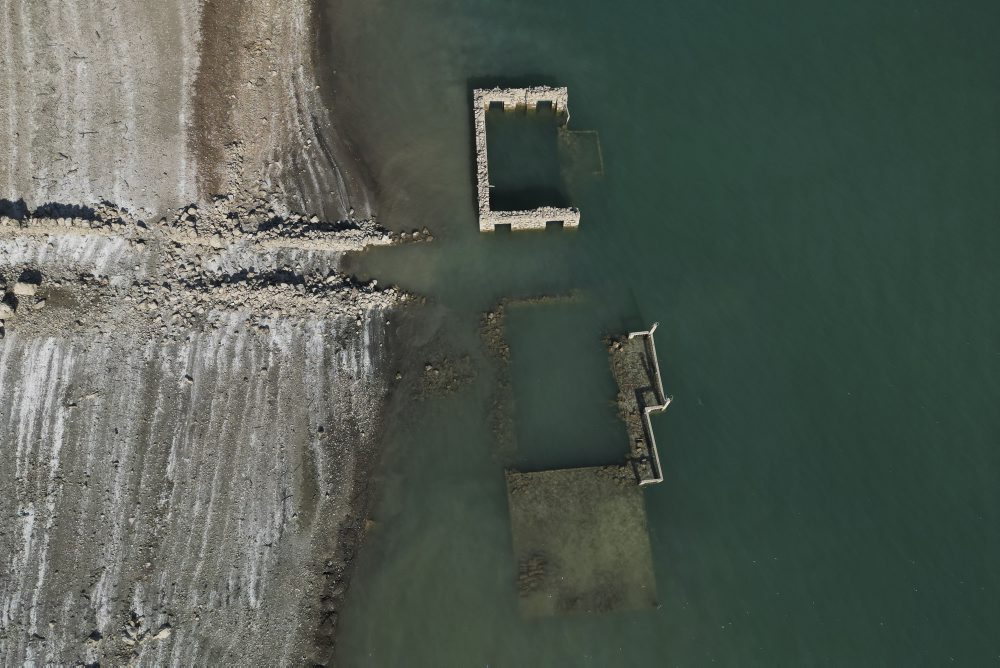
<point x="636" y="369"/>
<point x="511" y="99"/>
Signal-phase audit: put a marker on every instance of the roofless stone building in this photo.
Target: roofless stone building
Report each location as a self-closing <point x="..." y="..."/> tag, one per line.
<point x="511" y="99"/>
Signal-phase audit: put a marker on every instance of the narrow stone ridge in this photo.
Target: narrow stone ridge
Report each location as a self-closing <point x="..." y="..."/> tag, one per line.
<point x="165" y="277"/>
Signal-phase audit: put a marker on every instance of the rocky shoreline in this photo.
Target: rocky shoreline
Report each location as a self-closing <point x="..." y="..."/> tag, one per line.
<point x="192" y="392"/>
<point x="163" y="278"/>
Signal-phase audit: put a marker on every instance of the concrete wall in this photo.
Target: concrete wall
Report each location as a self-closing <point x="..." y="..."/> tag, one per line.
<point x="658" y="405"/>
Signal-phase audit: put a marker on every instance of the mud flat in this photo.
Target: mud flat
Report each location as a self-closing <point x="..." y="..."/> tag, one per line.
<point x="191" y="392"/>
<point x="136" y="103"/>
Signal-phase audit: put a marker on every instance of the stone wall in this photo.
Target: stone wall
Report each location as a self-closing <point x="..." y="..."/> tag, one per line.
<point x="511" y="99"/>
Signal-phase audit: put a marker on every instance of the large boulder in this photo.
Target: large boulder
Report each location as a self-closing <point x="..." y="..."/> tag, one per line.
<point x="22" y="289"/>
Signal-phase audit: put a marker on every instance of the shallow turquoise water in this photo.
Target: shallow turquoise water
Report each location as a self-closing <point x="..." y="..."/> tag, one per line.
<point x="805" y="196"/>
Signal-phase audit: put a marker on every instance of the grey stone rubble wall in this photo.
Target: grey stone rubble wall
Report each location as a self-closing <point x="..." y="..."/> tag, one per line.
<point x="532" y="219"/>
<point x="254" y="224"/>
<point x="164" y="278"/>
<point x="512" y="98"/>
<point x="482" y="159"/>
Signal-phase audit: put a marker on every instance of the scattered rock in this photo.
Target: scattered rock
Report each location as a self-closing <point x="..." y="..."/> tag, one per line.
<point x="180" y="286"/>
<point x="444" y="376"/>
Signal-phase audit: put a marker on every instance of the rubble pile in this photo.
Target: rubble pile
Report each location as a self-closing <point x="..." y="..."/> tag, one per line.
<point x="224" y="222"/>
<point x="168" y="278"/>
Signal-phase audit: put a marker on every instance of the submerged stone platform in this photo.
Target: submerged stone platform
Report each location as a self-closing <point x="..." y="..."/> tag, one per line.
<point x="511" y="99"/>
<point x="580" y="541"/>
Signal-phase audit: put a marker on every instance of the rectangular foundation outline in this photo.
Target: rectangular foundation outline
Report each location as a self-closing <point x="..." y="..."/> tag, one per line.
<point x="511" y="99"/>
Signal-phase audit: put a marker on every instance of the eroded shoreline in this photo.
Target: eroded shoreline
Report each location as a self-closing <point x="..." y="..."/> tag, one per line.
<point x="192" y="394"/>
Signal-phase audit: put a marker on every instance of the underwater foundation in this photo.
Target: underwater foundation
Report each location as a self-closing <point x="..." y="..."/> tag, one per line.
<point x="580" y="535"/>
<point x="580" y="541"/>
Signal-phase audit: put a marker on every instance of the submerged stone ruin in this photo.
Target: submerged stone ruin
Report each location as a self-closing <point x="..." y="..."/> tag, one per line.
<point x="580" y="534"/>
<point x="511" y="99"/>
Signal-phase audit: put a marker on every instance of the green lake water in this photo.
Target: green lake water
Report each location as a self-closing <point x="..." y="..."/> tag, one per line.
<point x="806" y="196"/>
